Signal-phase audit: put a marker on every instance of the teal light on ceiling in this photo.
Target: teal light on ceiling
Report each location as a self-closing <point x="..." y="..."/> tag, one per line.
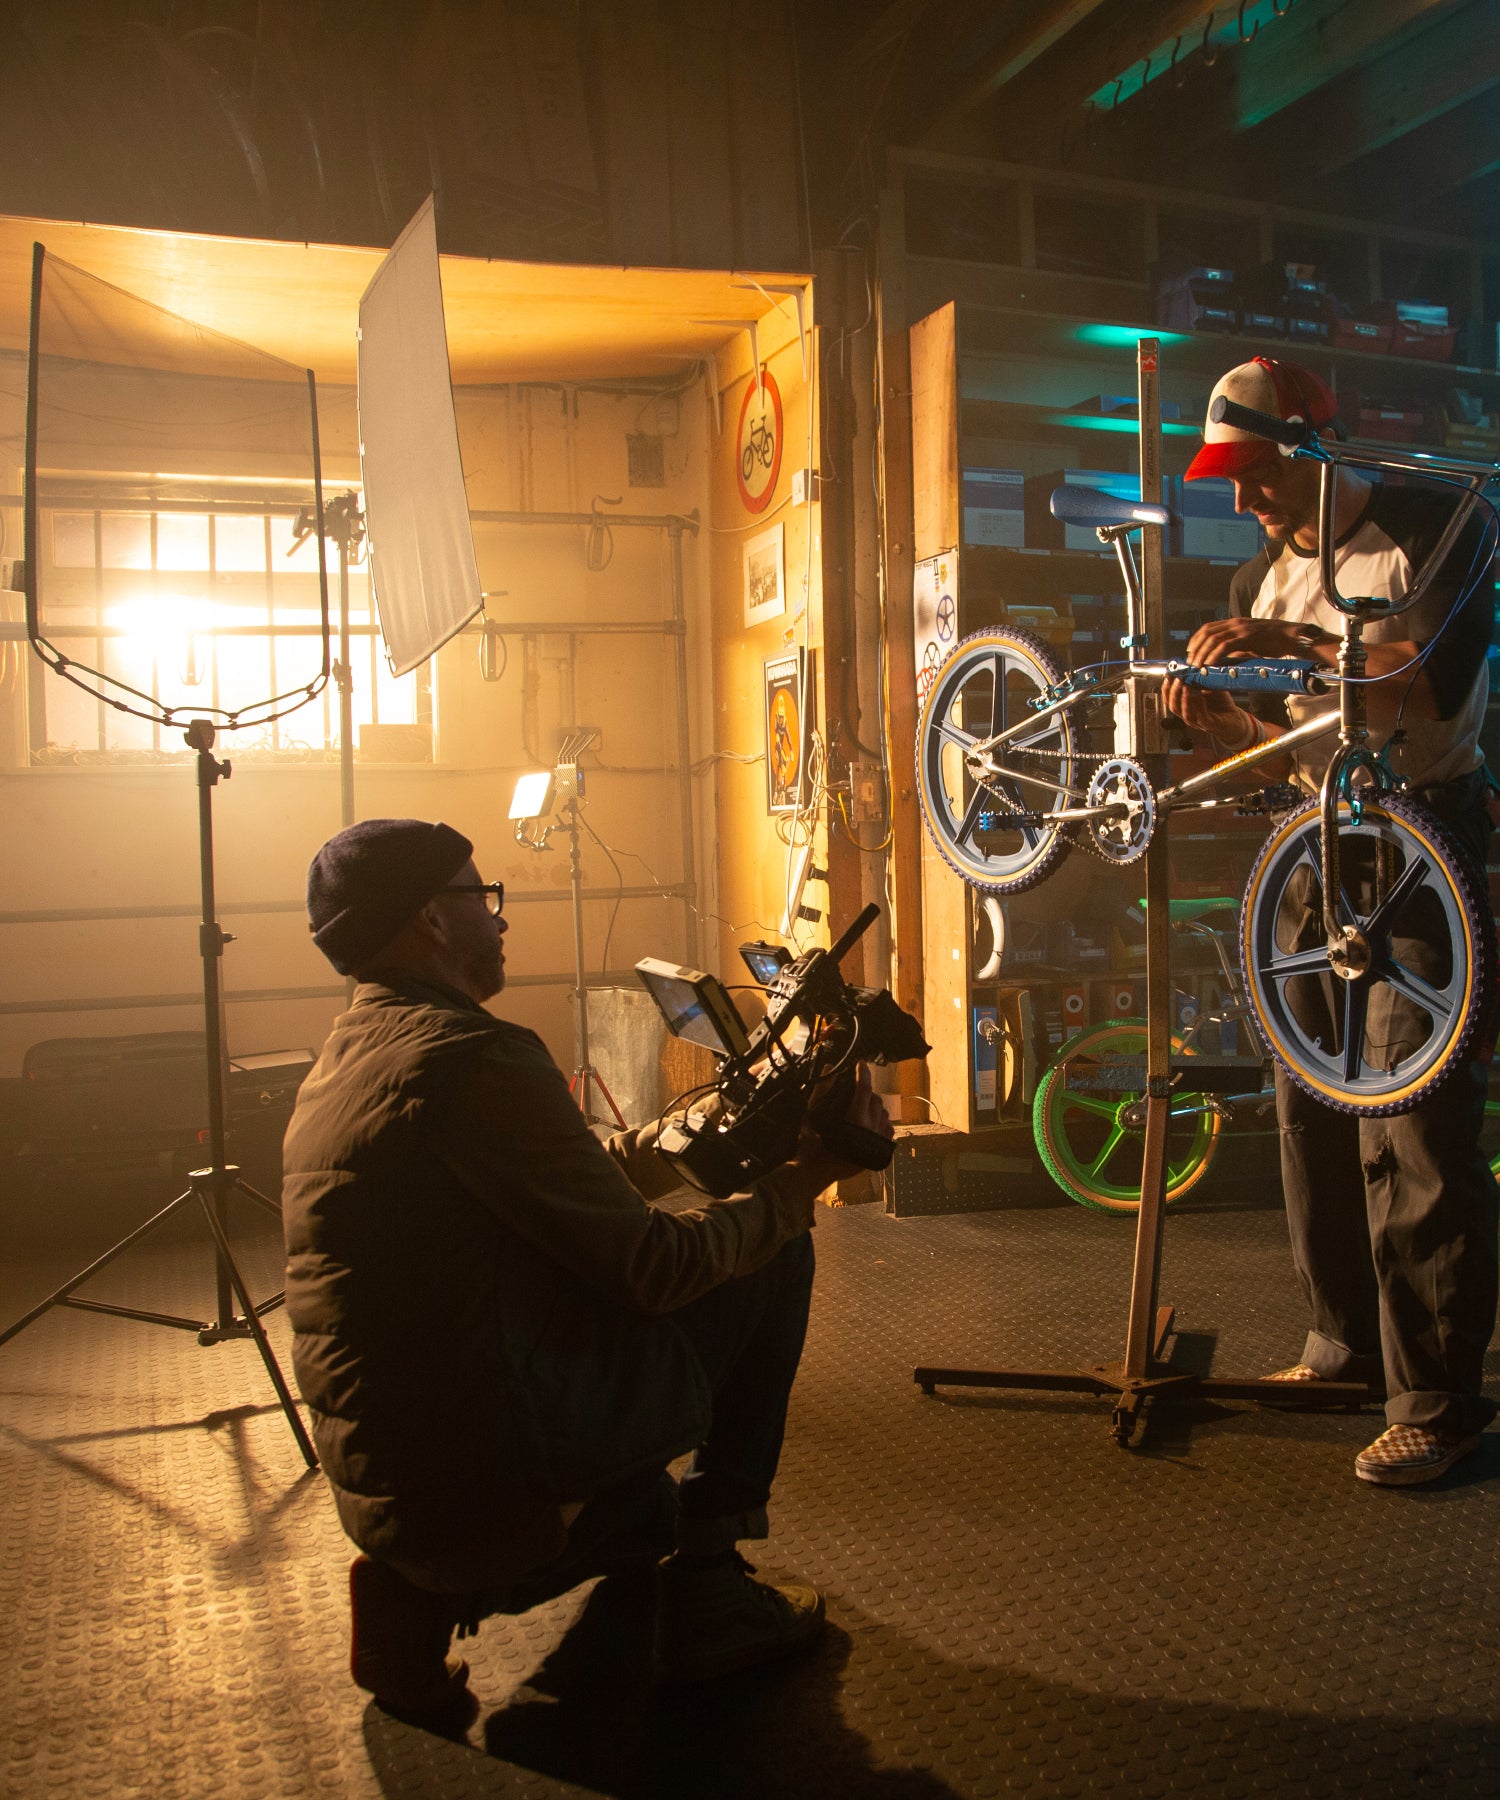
<point x="1093" y="422"/>
<point x="1124" y="337"/>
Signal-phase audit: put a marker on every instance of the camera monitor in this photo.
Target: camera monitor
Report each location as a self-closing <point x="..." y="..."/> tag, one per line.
<point x="695" y="1006"/>
<point x="765" y="961"/>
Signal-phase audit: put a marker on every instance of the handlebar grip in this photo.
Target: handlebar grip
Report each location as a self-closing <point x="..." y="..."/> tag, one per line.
<point x="1290" y="434"/>
<point x="1276" y="675"/>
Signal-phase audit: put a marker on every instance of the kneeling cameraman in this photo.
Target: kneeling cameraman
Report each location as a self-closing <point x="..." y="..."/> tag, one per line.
<point x="502" y="1340"/>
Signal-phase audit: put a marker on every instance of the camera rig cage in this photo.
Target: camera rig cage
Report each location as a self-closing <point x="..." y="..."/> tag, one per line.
<point x="817" y="1028"/>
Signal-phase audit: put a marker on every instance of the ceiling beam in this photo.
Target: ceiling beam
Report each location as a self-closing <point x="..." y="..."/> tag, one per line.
<point x="1446" y="153"/>
<point x="1315" y="44"/>
<point x="1420" y="68"/>
<point x="891" y="26"/>
<point x="1453" y="62"/>
<point x="1052" y="89"/>
<point x="1016" y="52"/>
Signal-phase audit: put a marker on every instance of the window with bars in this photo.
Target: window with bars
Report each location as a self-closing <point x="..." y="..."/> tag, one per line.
<point x="221" y="605"/>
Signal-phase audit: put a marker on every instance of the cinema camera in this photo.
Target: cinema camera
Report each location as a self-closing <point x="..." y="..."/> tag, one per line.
<point x="816" y="1028"/>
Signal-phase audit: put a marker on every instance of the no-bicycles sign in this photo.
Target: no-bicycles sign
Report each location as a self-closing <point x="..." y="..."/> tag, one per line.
<point x="758" y="443"/>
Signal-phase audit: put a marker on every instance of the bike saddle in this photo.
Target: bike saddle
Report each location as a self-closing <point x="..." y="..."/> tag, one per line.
<point x="1092" y="506"/>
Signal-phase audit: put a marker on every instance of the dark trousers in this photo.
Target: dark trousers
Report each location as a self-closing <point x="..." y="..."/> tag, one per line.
<point x="1393" y="1228"/>
<point x="748" y="1334"/>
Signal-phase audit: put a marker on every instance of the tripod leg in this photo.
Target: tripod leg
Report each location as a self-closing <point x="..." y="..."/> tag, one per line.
<point x="258" y="1332"/>
<point x="102" y="1262"/>
<point x="599" y="1083"/>
<point x="271" y="1206"/>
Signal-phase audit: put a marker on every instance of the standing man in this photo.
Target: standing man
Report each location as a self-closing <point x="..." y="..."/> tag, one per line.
<point x="502" y="1339"/>
<point x="1392" y="1220"/>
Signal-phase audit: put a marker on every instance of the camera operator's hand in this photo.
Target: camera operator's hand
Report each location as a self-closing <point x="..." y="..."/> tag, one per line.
<point x="847" y="1127"/>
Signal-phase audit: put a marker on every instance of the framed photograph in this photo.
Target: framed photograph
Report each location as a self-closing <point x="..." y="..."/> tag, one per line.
<point x="765" y="576"/>
<point x="787" y="731"/>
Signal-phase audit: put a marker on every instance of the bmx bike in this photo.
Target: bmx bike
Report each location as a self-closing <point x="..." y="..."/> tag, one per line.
<point x="1365" y="949"/>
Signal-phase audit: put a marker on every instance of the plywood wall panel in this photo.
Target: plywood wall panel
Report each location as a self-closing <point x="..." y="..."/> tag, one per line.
<point x="702" y="187"/>
<point x="763" y="118"/>
<point x="634" y="86"/>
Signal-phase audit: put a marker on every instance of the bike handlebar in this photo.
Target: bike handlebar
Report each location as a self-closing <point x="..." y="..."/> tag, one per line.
<point x="1277" y="675"/>
<point x="1290" y="434"/>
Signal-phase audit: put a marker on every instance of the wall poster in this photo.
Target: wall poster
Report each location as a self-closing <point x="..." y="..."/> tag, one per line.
<point x="934" y="614"/>
<point x="765" y="575"/>
<point x="786" y="731"/>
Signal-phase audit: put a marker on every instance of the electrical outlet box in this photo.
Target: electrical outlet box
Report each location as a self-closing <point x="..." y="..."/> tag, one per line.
<point x="806" y="486"/>
<point x="866" y="793"/>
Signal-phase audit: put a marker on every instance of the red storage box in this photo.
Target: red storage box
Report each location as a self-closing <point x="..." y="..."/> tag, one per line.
<point x="1431" y="342"/>
<point x="1390" y="424"/>
<point x="1360" y="334"/>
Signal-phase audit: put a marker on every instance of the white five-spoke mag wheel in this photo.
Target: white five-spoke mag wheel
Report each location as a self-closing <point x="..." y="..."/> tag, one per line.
<point x="1420" y="955"/>
<point x="985" y="687"/>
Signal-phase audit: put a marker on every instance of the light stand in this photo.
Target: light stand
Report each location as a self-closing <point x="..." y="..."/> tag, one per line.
<point x="210" y="1188"/>
<point x="533" y="803"/>
<point x="151" y="340"/>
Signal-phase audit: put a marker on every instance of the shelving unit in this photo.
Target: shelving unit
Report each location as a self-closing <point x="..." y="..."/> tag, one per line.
<point x="999" y="374"/>
<point x="1075" y="945"/>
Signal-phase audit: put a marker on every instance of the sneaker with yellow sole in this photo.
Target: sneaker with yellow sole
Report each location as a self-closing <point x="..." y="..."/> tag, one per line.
<point x="1407" y="1455"/>
<point x="714" y="1619"/>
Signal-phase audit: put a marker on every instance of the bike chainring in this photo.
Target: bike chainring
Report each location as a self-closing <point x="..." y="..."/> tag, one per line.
<point x="1124" y="786"/>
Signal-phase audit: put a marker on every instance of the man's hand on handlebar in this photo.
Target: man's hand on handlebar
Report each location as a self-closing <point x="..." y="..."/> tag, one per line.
<point x="1204" y="709"/>
<point x="1227" y="640"/>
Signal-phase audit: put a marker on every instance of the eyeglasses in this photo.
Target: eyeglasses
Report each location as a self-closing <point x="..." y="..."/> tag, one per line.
<point x="492" y="892"/>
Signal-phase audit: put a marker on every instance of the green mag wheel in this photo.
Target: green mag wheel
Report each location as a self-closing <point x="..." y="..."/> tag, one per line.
<point x="1422" y="943"/>
<point x="1093" y="1149"/>
<point x="993" y="681"/>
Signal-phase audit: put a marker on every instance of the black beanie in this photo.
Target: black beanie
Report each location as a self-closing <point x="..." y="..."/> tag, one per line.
<point x="369" y="880"/>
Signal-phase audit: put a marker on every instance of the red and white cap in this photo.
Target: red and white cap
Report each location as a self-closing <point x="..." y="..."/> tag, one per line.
<point x="1285" y="390"/>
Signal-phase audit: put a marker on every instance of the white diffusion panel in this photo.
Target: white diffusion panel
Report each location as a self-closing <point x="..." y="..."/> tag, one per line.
<point x="422" y="560"/>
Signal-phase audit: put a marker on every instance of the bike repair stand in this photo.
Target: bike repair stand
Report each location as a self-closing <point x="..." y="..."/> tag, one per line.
<point x="1145" y="1373"/>
<point x="208" y="1189"/>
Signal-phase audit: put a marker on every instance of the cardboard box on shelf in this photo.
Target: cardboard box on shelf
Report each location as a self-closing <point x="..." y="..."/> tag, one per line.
<point x="1207" y="526"/>
<point x="1044" y="531"/>
<point x="995" y="507"/>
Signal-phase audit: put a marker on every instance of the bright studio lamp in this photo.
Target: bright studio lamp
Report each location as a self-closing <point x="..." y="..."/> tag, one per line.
<point x="531" y="804"/>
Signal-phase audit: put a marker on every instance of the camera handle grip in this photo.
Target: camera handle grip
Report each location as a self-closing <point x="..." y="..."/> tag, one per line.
<point x="841" y="1136"/>
<point x="853" y="1143"/>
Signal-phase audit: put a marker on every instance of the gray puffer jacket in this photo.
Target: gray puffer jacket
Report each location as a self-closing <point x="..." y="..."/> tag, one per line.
<point x="478" y="1287"/>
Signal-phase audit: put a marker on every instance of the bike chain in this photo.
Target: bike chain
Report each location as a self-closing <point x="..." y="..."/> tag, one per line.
<point x="1077" y="836"/>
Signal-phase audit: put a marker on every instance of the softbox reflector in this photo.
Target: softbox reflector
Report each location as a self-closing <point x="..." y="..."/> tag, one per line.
<point x="139" y="418"/>
<point x="422" y="563"/>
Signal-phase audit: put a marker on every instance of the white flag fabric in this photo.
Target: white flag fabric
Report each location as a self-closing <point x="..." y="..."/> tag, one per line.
<point x="422" y="560"/>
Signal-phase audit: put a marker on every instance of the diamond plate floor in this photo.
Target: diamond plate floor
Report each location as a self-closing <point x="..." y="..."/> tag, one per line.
<point x="1017" y="1605"/>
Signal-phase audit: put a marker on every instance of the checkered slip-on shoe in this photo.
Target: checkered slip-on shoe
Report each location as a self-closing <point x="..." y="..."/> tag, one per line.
<point x="1407" y="1455"/>
<point x="714" y="1620"/>
<point x="1297" y="1372"/>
